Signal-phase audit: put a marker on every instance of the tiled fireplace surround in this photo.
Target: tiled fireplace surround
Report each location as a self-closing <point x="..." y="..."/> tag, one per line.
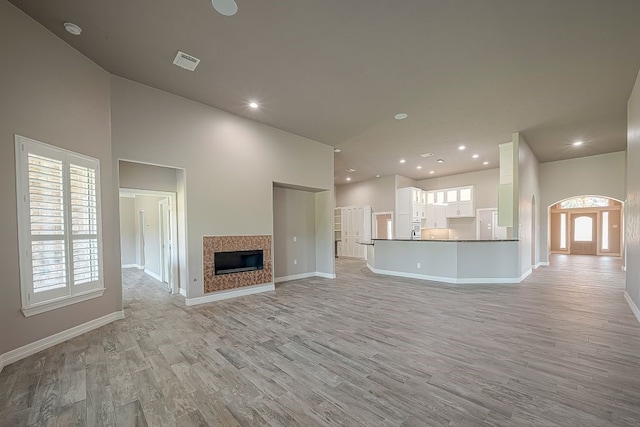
<point x="225" y="282"/>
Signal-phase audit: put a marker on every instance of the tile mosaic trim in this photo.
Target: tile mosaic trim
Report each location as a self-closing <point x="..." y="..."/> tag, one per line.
<point x="212" y="244"/>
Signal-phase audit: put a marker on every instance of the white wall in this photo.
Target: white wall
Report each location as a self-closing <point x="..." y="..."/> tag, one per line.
<point x="380" y="193"/>
<point x="632" y="206"/>
<point x="294" y="216"/>
<point x="127" y="230"/>
<point x="230" y="163"/>
<point x="528" y="212"/>
<point x="147" y="177"/>
<point x="51" y="93"/>
<point x="601" y="175"/>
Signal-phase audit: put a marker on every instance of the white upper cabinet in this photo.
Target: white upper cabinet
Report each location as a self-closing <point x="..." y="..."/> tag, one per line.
<point x="460" y="202"/>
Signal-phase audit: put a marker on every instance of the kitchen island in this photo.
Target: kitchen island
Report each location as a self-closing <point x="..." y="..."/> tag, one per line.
<point x="449" y="261"/>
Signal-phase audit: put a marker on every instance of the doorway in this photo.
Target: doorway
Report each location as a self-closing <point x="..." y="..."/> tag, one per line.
<point x="155" y="228"/>
<point x="487" y="227"/>
<point x="586" y="225"/>
<point x="383" y="225"/>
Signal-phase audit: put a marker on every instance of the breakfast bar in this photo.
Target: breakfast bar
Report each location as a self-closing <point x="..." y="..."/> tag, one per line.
<point x="449" y="261"/>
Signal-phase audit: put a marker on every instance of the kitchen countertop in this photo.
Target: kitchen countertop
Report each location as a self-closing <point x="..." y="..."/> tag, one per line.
<point x="436" y="240"/>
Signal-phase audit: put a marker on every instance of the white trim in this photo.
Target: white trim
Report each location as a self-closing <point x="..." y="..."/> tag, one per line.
<point x="634" y="307"/>
<point x="231" y="293"/>
<point x="542" y="264"/>
<point x="132" y="266"/>
<point x="152" y="274"/>
<point x="183" y="292"/>
<point x="325" y="275"/>
<point x="293" y="277"/>
<point x="459" y="281"/>
<point x="61" y="302"/>
<point x="304" y="276"/>
<point x="45" y="343"/>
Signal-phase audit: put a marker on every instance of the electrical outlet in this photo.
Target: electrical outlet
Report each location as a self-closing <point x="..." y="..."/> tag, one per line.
<point x="418" y="265"/>
<point x="295" y="239"/>
<point x="295" y="261"/>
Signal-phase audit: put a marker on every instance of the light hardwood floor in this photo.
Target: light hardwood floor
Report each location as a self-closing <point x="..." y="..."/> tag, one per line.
<point x="560" y="349"/>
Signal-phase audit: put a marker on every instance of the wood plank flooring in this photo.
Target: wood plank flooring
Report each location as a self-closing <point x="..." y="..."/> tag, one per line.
<point x="560" y="349"/>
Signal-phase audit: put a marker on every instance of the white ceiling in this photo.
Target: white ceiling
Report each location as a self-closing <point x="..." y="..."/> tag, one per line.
<point x="465" y="71"/>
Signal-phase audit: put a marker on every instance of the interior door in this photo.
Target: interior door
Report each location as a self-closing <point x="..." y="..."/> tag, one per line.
<point x="584" y="236"/>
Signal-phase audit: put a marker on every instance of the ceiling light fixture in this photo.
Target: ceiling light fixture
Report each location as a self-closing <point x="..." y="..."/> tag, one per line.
<point x="475" y="156"/>
<point x="348" y="178"/>
<point x="336" y="150"/>
<point x="225" y="7"/>
<point x="427" y="154"/>
<point x="401" y="116"/>
<point x="72" y="28"/>
<point x="418" y="167"/>
<point x="432" y="172"/>
<point x="254" y="105"/>
<point x="377" y="176"/>
<point x="577" y="143"/>
<point x="402" y="160"/>
<point x="462" y="148"/>
<point x="485" y="163"/>
<point x="440" y="160"/>
<point x="350" y="170"/>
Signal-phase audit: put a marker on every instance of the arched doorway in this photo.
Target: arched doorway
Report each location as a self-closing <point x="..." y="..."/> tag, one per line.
<point x="586" y="225"/>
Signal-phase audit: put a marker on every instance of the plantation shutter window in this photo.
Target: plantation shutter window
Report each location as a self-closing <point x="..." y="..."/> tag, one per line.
<point x="59" y="226"/>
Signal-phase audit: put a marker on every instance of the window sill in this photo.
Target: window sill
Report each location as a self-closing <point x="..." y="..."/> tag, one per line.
<point x="61" y="302"/>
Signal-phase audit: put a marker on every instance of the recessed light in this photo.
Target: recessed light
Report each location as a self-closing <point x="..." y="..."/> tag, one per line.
<point x="336" y="150"/>
<point x="402" y="160"/>
<point x="578" y="143"/>
<point x="485" y="163"/>
<point x="432" y="172"/>
<point x="401" y="116"/>
<point x="348" y="178"/>
<point x="72" y="28"/>
<point x="225" y="7"/>
<point x="377" y="176"/>
<point x="427" y="154"/>
<point x="475" y="156"/>
<point x="254" y="105"/>
<point x="462" y="148"/>
<point x="418" y="167"/>
<point x="350" y="170"/>
<point x="440" y="160"/>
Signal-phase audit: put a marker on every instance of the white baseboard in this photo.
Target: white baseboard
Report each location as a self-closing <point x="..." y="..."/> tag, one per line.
<point x="304" y="276"/>
<point x="152" y="274"/>
<point x="325" y="275"/>
<point x="525" y="275"/>
<point x="131" y="266"/>
<point x="45" y="343"/>
<point x="542" y="264"/>
<point x="231" y="293"/>
<point x="634" y="307"/>
<point x="183" y="292"/>
<point x="459" y="281"/>
<point x="293" y="277"/>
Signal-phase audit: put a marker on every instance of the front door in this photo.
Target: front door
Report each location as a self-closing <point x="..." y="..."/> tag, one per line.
<point x="584" y="236"/>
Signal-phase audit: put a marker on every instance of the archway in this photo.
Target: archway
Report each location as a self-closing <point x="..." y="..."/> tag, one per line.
<point x="586" y="225"/>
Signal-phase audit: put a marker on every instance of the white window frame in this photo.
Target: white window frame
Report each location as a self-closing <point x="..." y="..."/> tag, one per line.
<point x="42" y="301"/>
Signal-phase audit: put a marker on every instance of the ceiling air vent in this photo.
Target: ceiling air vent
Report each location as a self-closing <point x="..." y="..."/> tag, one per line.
<point x="185" y="61"/>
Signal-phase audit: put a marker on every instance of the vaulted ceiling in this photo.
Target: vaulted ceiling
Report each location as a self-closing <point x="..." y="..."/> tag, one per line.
<point x="466" y="72"/>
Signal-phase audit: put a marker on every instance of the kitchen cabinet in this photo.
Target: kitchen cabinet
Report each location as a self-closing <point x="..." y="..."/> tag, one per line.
<point x="355" y="226"/>
<point x="436" y="216"/>
<point x="460" y="202"/>
<point x="410" y="208"/>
